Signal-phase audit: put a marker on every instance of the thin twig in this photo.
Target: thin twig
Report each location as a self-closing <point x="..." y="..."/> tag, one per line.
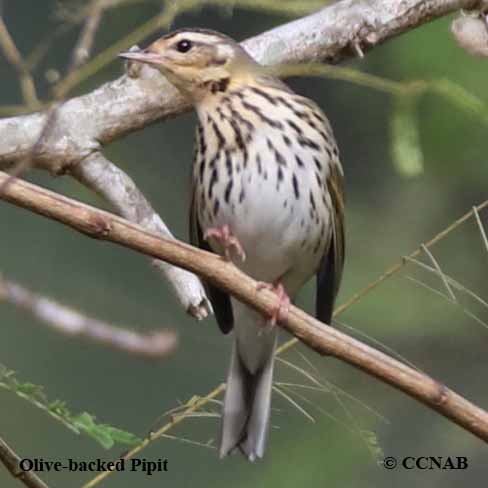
<point x="381" y="345"/>
<point x="161" y="20"/>
<point x="440" y="272"/>
<point x="454" y="283"/>
<point x="11" y="461"/>
<point x="72" y="323"/>
<point x="481" y="228"/>
<point x="293" y="402"/>
<point x="14" y="57"/>
<point x="191" y="407"/>
<point x="394" y="269"/>
<point x="188" y="441"/>
<point x="84" y="44"/>
<point x="439" y="293"/>
<point x="400" y="264"/>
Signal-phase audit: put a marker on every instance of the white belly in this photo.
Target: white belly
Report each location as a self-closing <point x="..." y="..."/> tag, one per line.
<point x="274" y="227"/>
<point x="271" y="195"/>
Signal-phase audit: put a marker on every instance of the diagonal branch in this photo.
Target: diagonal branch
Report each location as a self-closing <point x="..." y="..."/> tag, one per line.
<point x="187" y="410"/>
<point x="316" y="335"/>
<point x="11" y="461"/>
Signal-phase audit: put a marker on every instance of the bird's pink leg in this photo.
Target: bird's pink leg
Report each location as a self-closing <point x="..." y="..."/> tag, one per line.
<point x="227" y="240"/>
<point x="281" y="311"/>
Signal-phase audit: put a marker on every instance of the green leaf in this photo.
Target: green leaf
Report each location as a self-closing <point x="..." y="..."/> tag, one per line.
<point x="405" y="139"/>
<point x="85" y="423"/>
<point x="122" y="436"/>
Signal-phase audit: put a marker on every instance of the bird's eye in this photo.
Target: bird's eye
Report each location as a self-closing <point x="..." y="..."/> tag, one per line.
<point x="184" y="46"/>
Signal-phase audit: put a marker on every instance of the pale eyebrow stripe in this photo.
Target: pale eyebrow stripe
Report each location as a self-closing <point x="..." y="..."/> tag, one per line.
<point x="200" y="36"/>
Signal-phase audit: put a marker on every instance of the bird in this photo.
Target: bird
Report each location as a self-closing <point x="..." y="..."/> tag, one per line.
<point x="267" y="194"/>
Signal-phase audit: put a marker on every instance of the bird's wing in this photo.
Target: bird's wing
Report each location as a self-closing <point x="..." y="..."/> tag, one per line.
<point x="221" y="303"/>
<point x="330" y="270"/>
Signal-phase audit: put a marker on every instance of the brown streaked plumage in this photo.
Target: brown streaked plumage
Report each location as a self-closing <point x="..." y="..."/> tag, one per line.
<point x="267" y="187"/>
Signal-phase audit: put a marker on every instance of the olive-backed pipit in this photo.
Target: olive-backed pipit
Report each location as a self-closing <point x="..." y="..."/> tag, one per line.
<point x="267" y="192"/>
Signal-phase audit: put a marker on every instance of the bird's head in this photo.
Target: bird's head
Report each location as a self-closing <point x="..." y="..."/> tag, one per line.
<point x="198" y="62"/>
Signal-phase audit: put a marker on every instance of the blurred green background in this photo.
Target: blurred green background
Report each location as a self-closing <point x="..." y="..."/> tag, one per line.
<point x="388" y="216"/>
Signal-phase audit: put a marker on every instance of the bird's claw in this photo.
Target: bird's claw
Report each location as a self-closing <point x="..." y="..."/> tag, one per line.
<point x="227" y="240"/>
<point x="280" y="312"/>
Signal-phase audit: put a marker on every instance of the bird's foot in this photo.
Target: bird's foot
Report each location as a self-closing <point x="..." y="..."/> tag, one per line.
<point x="280" y="312"/>
<point x="227" y="240"/>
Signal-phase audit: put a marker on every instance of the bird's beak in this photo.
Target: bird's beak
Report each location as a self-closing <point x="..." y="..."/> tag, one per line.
<point x="146" y="57"/>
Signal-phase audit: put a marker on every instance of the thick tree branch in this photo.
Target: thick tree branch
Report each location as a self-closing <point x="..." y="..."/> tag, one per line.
<point x="318" y="336"/>
<point x="72" y="323"/>
<point x="127" y="104"/>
